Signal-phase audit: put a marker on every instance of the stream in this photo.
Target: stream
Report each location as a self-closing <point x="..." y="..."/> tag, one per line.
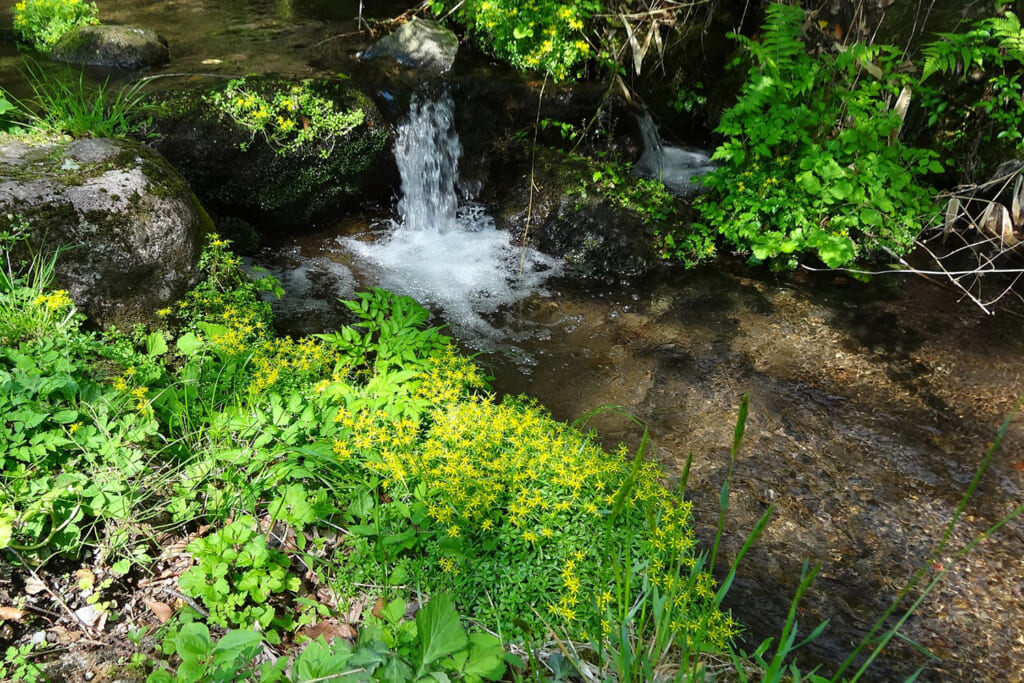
<point x="871" y="405"/>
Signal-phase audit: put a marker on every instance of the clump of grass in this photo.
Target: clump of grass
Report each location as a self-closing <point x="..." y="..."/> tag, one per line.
<point x="63" y="103"/>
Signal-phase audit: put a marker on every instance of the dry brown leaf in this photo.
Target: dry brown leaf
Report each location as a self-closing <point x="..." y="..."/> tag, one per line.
<point x="378" y="608"/>
<point x="34" y="585"/>
<point x="330" y="629"/>
<point x="160" y="610"/>
<point x="11" y="614"/>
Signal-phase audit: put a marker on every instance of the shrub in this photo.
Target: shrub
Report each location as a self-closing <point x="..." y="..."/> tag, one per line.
<point x="543" y="35"/>
<point x="286" y="118"/>
<point x="812" y="163"/>
<point x="42" y="22"/>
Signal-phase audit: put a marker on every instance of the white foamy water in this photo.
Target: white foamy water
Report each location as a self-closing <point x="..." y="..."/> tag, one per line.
<point x="441" y="252"/>
<point x="678" y="168"/>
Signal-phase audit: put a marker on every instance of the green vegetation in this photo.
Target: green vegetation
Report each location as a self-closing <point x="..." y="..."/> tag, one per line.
<point x="65" y="104"/>
<point x="983" y="105"/>
<point x="286" y="119"/>
<point x="812" y="161"/>
<point x="541" y="35"/>
<point x="381" y="431"/>
<point x="41" y="23"/>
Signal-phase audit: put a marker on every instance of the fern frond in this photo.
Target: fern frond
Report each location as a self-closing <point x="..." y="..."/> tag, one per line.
<point x="781" y="34"/>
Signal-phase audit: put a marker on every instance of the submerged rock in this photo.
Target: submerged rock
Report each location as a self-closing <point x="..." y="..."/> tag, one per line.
<point x="240" y="173"/>
<point x="420" y="43"/>
<point x="130" y="224"/>
<point x="125" y="47"/>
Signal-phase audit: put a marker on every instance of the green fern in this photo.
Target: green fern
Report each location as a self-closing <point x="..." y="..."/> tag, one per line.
<point x="781" y="43"/>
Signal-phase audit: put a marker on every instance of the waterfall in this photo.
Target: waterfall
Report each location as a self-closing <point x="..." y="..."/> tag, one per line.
<point x="679" y="168"/>
<point x="445" y="253"/>
<point x="427" y="153"/>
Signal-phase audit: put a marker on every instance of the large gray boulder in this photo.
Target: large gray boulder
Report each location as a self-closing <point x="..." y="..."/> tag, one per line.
<point x="124" y="47"/>
<point x="420" y="43"/>
<point x="131" y="224"/>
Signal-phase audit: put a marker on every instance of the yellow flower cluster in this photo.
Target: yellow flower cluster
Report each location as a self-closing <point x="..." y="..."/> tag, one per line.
<point x="53" y="301"/>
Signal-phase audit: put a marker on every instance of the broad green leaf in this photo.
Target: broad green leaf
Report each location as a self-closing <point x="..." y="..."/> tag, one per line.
<point x="192" y="642"/>
<point x="156" y="345"/>
<point x="67" y="416"/>
<point x="236" y="647"/>
<point x="188" y="344"/>
<point x="439" y="630"/>
<point x="834" y="251"/>
<point x="486" y="657"/>
<point x="809" y="182"/>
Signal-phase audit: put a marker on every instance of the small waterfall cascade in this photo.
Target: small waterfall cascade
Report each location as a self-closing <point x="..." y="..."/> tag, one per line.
<point x="427" y="153"/>
<point x="679" y="168"/>
<point x="444" y="252"/>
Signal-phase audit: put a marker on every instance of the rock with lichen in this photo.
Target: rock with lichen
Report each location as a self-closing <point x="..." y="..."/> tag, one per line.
<point x="128" y="224"/>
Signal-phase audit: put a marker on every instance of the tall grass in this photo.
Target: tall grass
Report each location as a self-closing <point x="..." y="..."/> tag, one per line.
<point x="64" y="103"/>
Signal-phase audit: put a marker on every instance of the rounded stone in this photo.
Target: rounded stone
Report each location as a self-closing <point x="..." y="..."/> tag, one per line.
<point x="125" y="47"/>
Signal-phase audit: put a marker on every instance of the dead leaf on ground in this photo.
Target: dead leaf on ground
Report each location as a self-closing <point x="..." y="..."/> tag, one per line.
<point x="330" y="629"/>
<point x="11" y="614"/>
<point x="34" y="585"/>
<point x="160" y="610"/>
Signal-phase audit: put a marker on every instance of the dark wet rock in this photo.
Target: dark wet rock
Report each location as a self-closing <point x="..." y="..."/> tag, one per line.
<point x="132" y="227"/>
<point x="571" y="220"/>
<point x="420" y="43"/>
<point x="240" y="175"/>
<point x="125" y="47"/>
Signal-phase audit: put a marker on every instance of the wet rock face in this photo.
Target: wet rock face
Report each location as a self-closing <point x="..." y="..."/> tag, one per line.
<point x="125" y="47"/>
<point x="420" y="43"/>
<point x="239" y="175"/>
<point x="598" y="238"/>
<point x="131" y="226"/>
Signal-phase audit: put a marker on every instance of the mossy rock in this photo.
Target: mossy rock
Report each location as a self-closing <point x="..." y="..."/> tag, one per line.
<point x="123" y="47"/>
<point x="242" y="175"/>
<point x="131" y="227"/>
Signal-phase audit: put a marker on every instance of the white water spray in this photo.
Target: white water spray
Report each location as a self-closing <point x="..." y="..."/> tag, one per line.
<point x="678" y="168"/>
<point x="442" y="252"/>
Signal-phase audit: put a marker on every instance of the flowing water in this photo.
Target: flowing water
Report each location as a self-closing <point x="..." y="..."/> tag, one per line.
<point x="441" y="251"/>
<point x="679" y="168"/>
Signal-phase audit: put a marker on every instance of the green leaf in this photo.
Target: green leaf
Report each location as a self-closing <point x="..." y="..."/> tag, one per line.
<point x="486" y="657"/>
<point x="439" y="630"/>
<point x="192" y="642"/>
<point x="834" y="250"/>
<point x="188" y="344"/>
<point x="237" y="647"/>
<point x="809" y="182"/>
<point x="67" y="416"/>
<point x="522" y="31"/>
<point x="156" y="345"/>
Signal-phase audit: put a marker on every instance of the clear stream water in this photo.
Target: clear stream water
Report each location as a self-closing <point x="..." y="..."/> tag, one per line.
<point x="870" y="404"/>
